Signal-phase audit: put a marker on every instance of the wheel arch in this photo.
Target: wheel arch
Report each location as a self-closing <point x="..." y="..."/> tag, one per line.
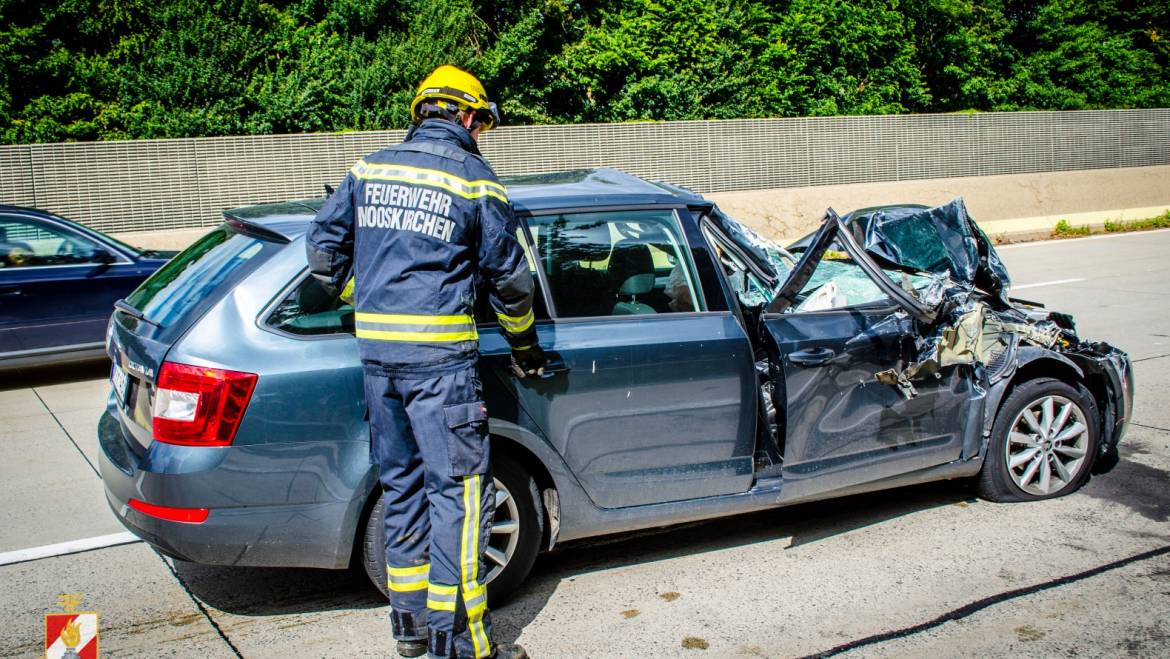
<point x="1031" y="363"/>
<point x="540" y="473"/>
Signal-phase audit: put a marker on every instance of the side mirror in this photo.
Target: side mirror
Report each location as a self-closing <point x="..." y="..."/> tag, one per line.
<point x="103" y="255"/>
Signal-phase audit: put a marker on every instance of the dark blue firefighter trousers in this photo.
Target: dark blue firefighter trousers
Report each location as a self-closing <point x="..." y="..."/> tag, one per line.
<point x="430" y="442"/>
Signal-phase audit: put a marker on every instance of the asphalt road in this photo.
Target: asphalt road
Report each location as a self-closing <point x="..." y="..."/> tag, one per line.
<point x="924" y="571"/>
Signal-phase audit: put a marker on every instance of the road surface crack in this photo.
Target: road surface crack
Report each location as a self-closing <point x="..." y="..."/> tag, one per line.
<point x="198" y="604"/>
<point x="987" y="602"/>
<point x="67" y="435"/>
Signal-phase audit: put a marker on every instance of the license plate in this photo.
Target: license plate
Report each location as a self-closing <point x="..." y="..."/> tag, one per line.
<point x="118" y="379"/>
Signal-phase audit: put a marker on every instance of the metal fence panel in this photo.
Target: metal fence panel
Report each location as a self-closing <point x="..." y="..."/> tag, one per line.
<point x="167" y="184"/>
<point x="16" y="180"/>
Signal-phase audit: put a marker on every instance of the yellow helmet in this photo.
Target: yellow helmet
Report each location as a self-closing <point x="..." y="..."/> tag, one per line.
<point x="448" y="83"/>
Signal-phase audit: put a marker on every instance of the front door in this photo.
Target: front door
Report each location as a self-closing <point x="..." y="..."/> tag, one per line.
<point x="833" y="328"/>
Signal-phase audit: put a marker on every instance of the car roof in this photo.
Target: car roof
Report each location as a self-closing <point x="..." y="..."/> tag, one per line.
<point x="533" y="193"/>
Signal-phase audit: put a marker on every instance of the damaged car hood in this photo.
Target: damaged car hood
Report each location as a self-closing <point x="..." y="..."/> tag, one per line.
<point x="942" y="240"/>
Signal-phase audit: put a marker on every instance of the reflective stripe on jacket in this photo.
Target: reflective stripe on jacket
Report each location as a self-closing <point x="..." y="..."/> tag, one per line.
<point x="409" y="229"/>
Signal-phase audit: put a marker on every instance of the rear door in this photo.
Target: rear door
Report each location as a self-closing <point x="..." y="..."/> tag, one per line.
<point x="837" y="323"/>
<point x="651" y="394"/>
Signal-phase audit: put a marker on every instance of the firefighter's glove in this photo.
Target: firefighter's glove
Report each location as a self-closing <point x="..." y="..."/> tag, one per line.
<point x="528" y="362"/>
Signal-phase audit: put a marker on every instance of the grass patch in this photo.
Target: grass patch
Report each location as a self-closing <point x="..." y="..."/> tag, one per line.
<point x="1159" y="222"/>
<point x="1064" y="229"/>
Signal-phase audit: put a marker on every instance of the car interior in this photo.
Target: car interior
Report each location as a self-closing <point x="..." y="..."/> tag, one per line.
<point x="610" y="264"/>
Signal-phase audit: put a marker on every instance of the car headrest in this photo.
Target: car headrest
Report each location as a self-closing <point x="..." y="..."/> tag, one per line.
<point x="637" y="285"/>
<point x="629" y="258"/>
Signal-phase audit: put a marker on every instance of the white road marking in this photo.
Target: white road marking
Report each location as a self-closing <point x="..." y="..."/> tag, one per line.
<point x="1054" y="282"/>
<point x="70" y="547"/>
<point x="1061" y="241"/>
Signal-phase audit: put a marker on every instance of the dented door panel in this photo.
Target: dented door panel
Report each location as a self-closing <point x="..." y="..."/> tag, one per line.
<point x="842" y="426"/>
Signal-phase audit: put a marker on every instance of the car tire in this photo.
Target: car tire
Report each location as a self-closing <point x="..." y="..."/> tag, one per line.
<point x="1029" y="460"/>
<point x="521" y="505"/>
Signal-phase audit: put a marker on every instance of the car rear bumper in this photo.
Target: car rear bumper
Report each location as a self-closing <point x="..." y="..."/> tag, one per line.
<point x="237" y="531"/>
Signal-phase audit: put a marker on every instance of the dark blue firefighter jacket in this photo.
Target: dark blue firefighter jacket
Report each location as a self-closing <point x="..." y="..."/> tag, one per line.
<point x="410" y="228"/>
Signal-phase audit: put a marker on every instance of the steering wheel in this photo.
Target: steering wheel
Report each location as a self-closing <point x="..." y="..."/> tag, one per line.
<point x="66" y="248"/>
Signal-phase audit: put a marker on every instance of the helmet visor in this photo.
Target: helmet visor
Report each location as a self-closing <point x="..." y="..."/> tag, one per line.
<point x="488" y="117"/>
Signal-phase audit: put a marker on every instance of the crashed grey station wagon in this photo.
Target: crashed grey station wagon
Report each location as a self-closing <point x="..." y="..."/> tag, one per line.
<point x="697" y="370"/>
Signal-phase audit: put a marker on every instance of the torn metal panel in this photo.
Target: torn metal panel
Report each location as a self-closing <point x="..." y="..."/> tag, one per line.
<point x="935" y="240"/>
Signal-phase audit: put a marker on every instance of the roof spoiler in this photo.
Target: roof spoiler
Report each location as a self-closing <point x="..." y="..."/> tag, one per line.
<point x="240" y="225"/>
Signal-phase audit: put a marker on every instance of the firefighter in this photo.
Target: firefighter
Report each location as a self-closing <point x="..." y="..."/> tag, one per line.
<point x="405" y="236"/>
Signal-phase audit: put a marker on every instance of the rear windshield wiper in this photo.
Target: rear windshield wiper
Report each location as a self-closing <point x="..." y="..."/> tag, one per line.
<point x="124" y="307"/>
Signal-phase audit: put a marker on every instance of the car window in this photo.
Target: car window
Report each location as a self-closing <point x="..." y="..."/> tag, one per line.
<point x="308" y="310"/>
<point x="615" y="263"/>
<point x="839" y="282"/>
<point x="748" y="288"/>
<point x="211" y="265"/>
<point x="28" y="243"/>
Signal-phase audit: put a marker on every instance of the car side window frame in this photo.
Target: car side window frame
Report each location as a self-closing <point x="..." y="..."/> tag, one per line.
<point x="264" y="318"/>
<point x="685" y="241"/>
<point x="67" y="232"/>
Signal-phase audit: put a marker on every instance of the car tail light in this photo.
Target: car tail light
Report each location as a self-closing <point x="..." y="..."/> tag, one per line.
<point x="199" y="405"/>
<point x="187" y="515"/>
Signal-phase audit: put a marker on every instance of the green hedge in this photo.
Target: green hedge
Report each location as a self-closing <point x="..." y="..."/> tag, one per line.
<point x="117" y="69"/>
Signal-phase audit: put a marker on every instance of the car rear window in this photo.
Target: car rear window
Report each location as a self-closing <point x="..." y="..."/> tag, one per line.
<point x="200" y="273"/>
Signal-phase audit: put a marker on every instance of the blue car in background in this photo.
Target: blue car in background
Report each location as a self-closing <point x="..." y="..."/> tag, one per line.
<point x="58" y="284"/>
<point x="697" y="370"/>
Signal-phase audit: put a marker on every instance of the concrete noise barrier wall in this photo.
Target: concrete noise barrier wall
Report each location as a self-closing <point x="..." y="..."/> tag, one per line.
<point x="151" y="185"/>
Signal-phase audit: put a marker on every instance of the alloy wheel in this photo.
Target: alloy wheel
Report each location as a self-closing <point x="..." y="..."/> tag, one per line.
<point x="505" y="533"/>
<point x="1047" y="445"/>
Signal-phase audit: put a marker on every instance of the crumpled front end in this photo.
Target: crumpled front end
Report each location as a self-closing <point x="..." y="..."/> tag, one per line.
<point x="974" y="323"/>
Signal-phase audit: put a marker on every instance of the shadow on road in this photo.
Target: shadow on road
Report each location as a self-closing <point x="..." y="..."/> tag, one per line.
<point x="276" y="591"/>
<point x="803" y="524"/>
<point x="21" y="378"/>
<point x="1139" y="487"/>
<point x="258" y="591"/>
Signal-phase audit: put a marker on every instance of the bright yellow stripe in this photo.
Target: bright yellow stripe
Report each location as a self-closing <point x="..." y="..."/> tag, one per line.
<point x="440" y="589"/>
<point x="408" y="571"/>
<point x="412" y="319"/>
<point x="460" y="186"/>
<point x="478" y="634"/>
<point x="407" y="587"/>
<point x="417" y="337"/>
<point x="433" y="172"/>
<point x="516" y="324"/>
<point x="463" y="541"/>
<point x="439" y="605"/>
<point x="347" y="292"/>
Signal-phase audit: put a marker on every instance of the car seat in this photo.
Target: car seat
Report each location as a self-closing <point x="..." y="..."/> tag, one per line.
<point x="631" y="271"/>
<point x="577" y="291"/>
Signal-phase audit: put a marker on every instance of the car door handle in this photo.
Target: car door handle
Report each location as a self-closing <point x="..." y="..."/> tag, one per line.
<point x="9" y="291"/>
<point x="555" y="366"/>
<point x="813" y="357"/>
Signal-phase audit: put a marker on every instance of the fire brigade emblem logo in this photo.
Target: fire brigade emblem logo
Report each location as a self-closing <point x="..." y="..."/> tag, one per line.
<point x="72" y="634"/>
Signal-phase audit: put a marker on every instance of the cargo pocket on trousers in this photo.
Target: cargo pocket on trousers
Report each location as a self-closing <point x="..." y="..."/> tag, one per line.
<point x="466" y="443"/>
